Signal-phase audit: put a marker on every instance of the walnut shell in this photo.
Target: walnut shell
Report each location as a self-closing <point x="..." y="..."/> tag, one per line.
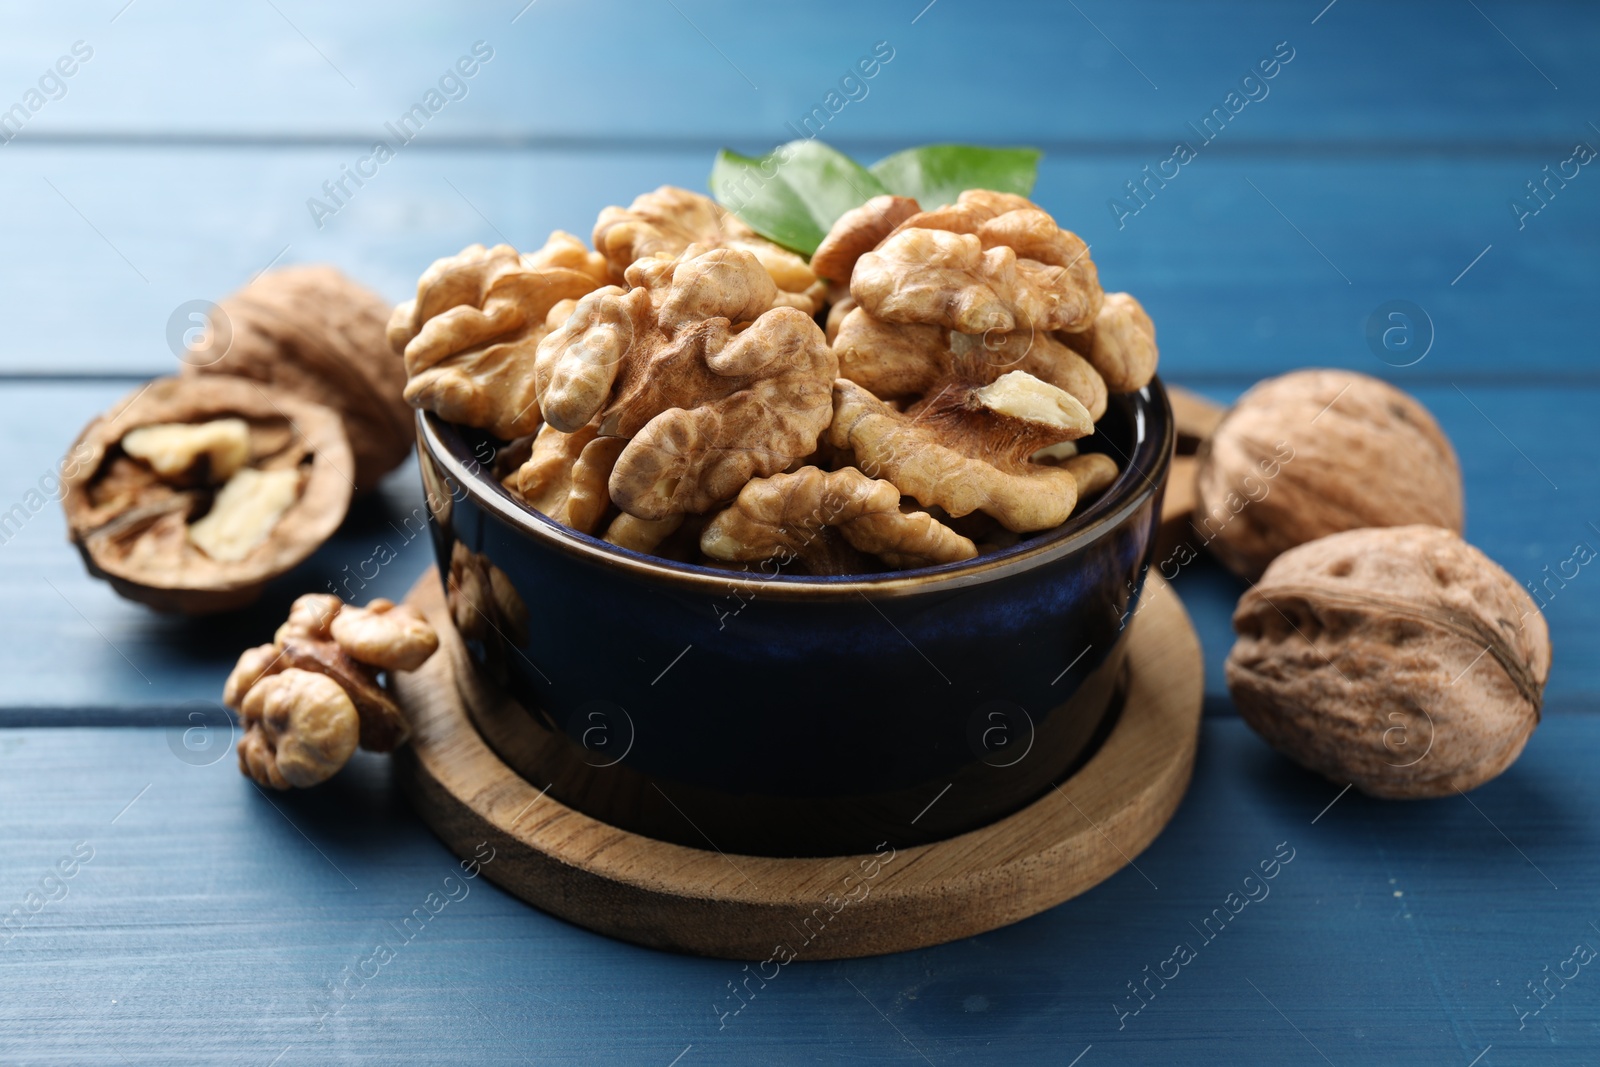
<point x="1400" y="659"/>
<point x="311" y="331"/>
<point x="136" y="529"/>
<point x="1315" y="452"/>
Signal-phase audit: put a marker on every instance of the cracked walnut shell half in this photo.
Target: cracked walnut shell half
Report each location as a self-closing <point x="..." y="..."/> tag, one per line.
<point x="194" y="492"/>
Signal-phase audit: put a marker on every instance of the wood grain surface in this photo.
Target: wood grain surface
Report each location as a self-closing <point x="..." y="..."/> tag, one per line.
<point x="213" y="919"/>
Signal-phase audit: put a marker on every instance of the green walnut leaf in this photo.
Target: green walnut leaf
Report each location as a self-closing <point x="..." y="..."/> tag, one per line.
<point x="794" y="194"/>
<point x="936" y="174"/>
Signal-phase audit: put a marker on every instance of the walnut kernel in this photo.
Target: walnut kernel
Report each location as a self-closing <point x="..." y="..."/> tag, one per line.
<point x="791" y="517"/>
<point x="299" y="729"/>
<point x="345" y="648"/>
<point x="709" y="387"/>
<point x="180" y="452"/>
<point x="970" y="447"/>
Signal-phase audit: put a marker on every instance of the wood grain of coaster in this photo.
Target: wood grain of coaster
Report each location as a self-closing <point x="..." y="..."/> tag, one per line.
<point x="1195" y="418"/>
<point x="759" y="907"/>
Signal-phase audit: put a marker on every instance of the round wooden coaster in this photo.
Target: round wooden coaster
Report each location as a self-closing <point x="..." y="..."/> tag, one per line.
<point x="768" y="909"/>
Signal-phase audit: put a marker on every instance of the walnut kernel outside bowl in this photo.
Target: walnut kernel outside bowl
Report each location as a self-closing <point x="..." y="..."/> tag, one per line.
<point x="787" y="715"/>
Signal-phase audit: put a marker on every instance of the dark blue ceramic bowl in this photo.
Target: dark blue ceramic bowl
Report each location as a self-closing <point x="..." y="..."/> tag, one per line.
<point x="782" y="715"/>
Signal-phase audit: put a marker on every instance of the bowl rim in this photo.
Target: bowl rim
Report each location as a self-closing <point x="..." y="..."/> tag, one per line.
<point x="1135" y="485"/>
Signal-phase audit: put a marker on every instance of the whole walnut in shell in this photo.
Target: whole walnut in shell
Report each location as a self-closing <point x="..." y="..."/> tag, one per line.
<point x="309" y="697"/>
<point x="313" y="332"/>
<point x="1359" y="453"/>
<point x="1400" y="659"/>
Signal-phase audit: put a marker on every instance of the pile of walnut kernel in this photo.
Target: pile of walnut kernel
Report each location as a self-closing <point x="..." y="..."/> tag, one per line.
<point x="675" y="391"/>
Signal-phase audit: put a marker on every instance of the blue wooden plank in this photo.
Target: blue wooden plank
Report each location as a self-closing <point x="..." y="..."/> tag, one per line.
<point x="1362" y="72"/>
<point x="1248" y="266"/>
<point x="72" y="651"/>
<point x="1395" y="933"/>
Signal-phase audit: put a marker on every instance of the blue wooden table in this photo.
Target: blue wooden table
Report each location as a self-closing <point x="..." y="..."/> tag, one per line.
<point x="206" y="922"/>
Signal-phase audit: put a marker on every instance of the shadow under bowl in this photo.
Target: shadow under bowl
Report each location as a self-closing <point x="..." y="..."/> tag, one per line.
<point x="772" y="714"/>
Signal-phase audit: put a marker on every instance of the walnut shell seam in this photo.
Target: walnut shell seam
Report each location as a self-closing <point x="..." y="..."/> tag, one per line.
<point x="1495" y="644"/>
